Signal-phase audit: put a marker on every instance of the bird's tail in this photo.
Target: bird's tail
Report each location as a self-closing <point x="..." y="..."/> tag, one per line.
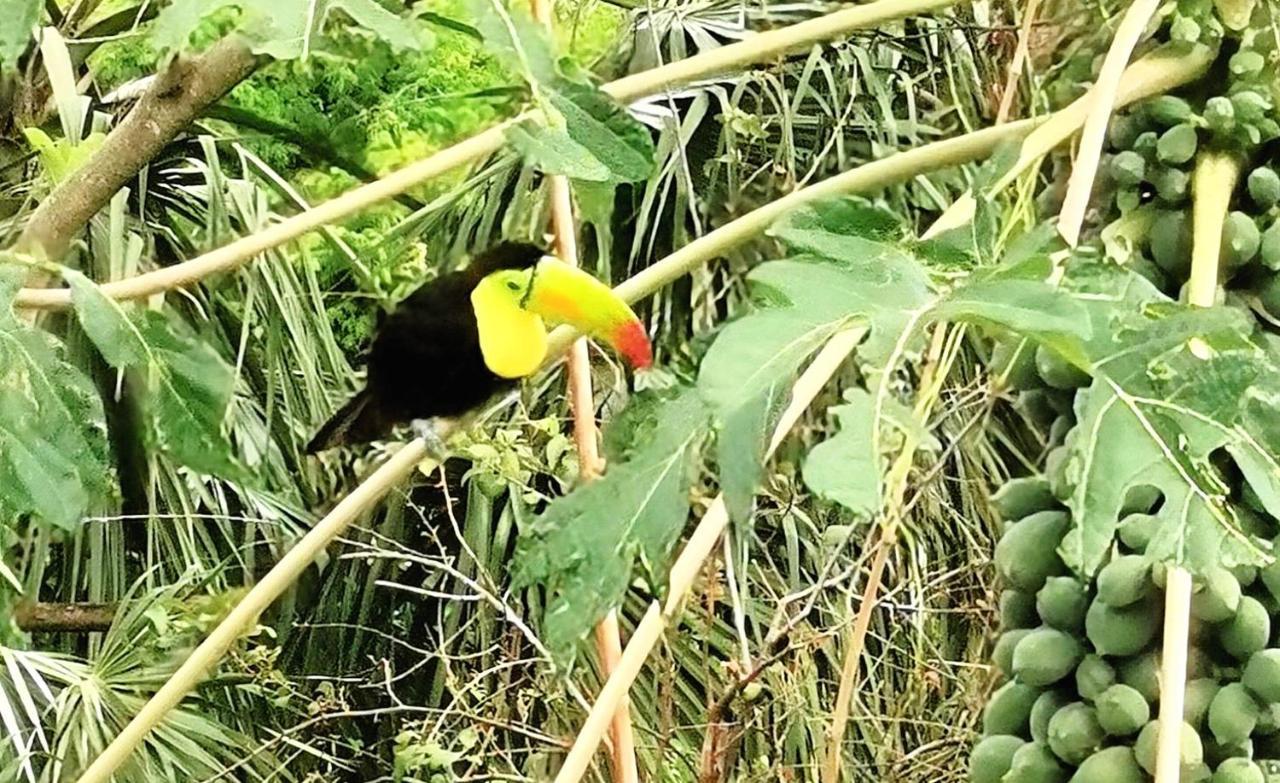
<point x="357" y="421"/>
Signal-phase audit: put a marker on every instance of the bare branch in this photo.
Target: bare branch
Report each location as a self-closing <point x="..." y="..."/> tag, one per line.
<point x="180" y="95"/>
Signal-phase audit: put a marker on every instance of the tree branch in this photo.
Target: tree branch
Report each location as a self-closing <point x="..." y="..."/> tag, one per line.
<point x="185" y="89"/>
<point x="64" y="617"/>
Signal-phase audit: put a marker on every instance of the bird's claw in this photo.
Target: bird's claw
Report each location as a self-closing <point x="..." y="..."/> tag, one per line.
<point x="426" y="430"/>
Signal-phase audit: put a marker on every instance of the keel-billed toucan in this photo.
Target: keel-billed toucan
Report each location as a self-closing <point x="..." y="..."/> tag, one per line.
<point x="461" y="338"/>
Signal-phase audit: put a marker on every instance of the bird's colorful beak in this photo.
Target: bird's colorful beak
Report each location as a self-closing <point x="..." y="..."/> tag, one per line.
<point x="561" y="293"/>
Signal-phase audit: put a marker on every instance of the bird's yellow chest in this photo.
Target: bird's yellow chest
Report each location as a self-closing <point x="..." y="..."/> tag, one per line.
<point x="513" y="340"/>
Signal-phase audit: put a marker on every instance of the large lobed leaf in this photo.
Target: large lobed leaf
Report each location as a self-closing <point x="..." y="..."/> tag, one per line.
<point x="53" y="446"/>
<point x="583" y="547"/>
<point x="1155" y="416"/>
<point x="857" y="271"/>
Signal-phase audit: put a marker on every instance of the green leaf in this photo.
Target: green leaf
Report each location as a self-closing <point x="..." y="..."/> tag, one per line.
<point x="106" y="323"/>
<point x="847" y="467"/>
<point x="190" y="389"/>
<point x="53" y="447"/>
<point x="283" y="29"/>
<point x="1028" y="307"/>
<point x="21" y="18"/>
<point x="583" y="547"/>
<point x="512" y="36"/>
<point x="1157" y="414"/>
<point x="740" y="451"/>
<point x="188" y="385"/>
<point x="593" y="139"/>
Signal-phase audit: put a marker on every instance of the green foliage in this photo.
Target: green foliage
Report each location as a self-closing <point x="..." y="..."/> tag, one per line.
<point x="285" y="30"/>
<point x="582" y="548"/>
<point x="188" y="385"/>
<point x="21" y="18"/>
<point x="53" y="448"/>
<point x="1154" y="416"/>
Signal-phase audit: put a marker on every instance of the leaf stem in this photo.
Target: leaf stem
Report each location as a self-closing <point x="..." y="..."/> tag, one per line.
<point x="608" y="636"/>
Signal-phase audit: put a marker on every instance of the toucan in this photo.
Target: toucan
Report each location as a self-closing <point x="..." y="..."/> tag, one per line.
<point x="467" y="335"/>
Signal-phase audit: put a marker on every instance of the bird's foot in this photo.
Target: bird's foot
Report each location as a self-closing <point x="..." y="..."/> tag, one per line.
<point x="427" y="430"/>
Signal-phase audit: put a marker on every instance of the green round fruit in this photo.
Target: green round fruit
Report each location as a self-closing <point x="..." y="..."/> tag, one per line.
<point x="1122" y="630"/>
<point x="1247" y="632"/>
<point x="1122" y="711"/>
<point x="1165" y="111"/>
<point x="1022" y="497"/>
<point x="1238" y="770"/>
<point x="1062" y="603"/>
<point x="1014" y="360"/>
<point x="1034" y="763"/>
<point x="1093" y="676"/>
<point x="1110" y="765"/>
<point x="1269" y="247"/>
<point x="1043" y="710"/>
<point x="1264" y="187"/>
<point x="1002" y="654"/>
<point x="1125" y="580"/>
<point x="1262" y="676"/>
<point x="1027" y="554"/>
<point x="1128" y="168"/>
<point x="1008" y="711"/>
<point x="1172" y="185"/>
<point x="1199" y="695"/>
<point x="1191" y="750"/>
<point x="1045" y="656"/>
<point x="1142" y="673"/>
<point x="1220" y="114"/>
<point x="1074" y="733"/>
<point x="1240" y="240"/>
<point x="1136" y="530"/>
<point x="1178" y="144"/>
<point x="1123" y="131"/>
<point x="1218" y="596"/>
<point x="1017" y="610"/>
<point x="1171" y="242"/>
<point x="1246" y="63"/>
<point x="1146" y="143"/>
<point x="992" y="757"/>
<point x="1233" y="714"/>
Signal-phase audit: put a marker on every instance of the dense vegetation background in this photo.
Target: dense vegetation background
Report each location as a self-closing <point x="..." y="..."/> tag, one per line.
<point x="407" y="652"/>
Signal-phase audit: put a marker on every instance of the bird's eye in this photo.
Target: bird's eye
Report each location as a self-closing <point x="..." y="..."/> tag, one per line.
<point x="513" y="285"/>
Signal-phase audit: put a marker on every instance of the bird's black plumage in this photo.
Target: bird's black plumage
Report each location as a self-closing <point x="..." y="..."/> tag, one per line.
<point x="425" y="360"/>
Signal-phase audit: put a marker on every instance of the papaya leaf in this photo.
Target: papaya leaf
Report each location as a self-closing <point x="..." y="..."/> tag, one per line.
<point x="583" y="547"/>
<point x="53" y="448"/>
<point x="740" y="451"/>
<point x="846" y="468"/>
<point x="1158" y="415"/>
<point x="862" y="280"/>
<point x="188" y="385"/>
<point x="21" y="18"/>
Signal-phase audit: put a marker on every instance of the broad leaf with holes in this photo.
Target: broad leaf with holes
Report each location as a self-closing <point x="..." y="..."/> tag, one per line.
<point x="1158" y="415"/>
<point x="188" y="385"/>
<point x="583" y="547"/>
<point x="53" y="446"/>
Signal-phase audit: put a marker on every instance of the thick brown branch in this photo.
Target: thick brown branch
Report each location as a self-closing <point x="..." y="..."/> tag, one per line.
<point x="65" y="618"/>
<point x="181" y="94"/>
